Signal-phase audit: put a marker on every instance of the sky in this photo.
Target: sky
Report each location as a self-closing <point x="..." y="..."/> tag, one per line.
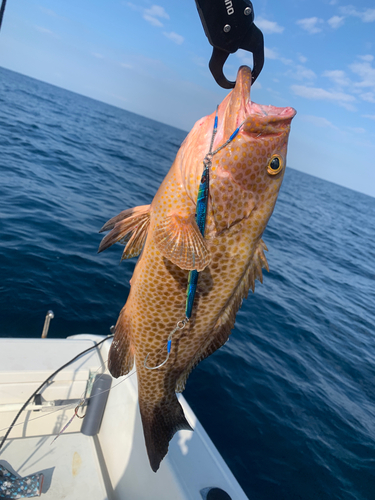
<point x="151" y="58"/>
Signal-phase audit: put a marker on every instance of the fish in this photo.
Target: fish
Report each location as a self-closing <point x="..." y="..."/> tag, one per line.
<point x="245" y="179"/>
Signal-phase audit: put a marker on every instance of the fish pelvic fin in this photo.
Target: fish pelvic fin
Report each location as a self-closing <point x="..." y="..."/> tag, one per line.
<point x="179" y="239"/>
<point x="130" y="228"/>
<point x="227" y="317"/>
<point x="160" y="423"/>
<point x="121" y="354"/>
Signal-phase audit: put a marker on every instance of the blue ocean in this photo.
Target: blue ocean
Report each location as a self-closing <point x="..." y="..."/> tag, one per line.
<point x="289" y="401"/>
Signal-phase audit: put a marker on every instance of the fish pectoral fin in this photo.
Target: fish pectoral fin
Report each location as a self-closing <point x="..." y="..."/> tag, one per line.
<point x="179" y="239"/>
<point x="130" y="228"/>
<point x="160" y="423"/>
<point x="121" y="354"/>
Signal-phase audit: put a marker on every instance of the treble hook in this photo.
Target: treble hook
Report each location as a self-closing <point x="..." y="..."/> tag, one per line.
<point x="180" y="326"/>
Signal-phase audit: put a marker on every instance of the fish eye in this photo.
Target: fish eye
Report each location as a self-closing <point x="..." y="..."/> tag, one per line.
<point x="275" y="165"/>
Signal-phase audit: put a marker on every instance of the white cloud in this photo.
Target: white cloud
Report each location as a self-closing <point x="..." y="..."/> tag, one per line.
<point x="268" y="27"/>
<point x="338" y="77"/>
<point x="311" y="24"/>
<point x="336" y="21"/>
<point x="372" y="117"/>
<point x="318" y="121"/>
<point x="356" y="130"/>
<point x="49" y="12"/>
<point x="97" y="55"/>
<point x="245" y="58"/>
<point x="302" y="58"/>
<point x="365" y="15"/>
<point x="153" y="20"/>
<point x="126" y="65"/>
<point x="257" y="85"/>
<point x="368" y="96"/>
<point x="199" y="61"/>
<point x="273" y="54"/>
<point x="367" y="57"/>
<point x="46" y="31"/>
<point x="152" y="14"/>
<point x="174" y="37"/>
<point x="366" y="72"/>
<point x="300" y="72"/>
<point x="316" y="93"/>
<point x="368" y="16"/>
<point x="157" y="11"/>
<point x="270" y="53"/>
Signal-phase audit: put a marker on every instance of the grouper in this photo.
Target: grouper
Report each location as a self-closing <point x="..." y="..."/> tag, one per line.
<point x="245" y="179"/>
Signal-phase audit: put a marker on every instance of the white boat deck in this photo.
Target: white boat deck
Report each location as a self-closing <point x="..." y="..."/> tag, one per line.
<point x="113" y="464"/>
<point x="71" y="468"/>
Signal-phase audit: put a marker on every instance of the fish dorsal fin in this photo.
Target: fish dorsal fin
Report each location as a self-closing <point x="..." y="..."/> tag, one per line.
<point x="129" y="228"/>
<point x="226" y="319"/>
<point x="178" y="238"/>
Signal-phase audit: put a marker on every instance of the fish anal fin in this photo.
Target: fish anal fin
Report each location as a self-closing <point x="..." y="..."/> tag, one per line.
<point x="128" y="227"/>
<point x="216" y="340"/>
<point x="260" y="261"/>
<point x="178" y="238"/>
<point x="226" y="319"/>
<point x="160" y="423"/>
<point x="121" y="354"/>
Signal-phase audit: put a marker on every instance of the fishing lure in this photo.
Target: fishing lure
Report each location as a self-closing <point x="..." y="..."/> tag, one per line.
<point x="200" y="218"/>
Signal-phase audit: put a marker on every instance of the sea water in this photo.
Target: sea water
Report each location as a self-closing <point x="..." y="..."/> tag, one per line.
<point x="289" y="401"/>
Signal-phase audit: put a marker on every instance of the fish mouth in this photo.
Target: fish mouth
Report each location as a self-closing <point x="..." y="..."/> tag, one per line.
<point x="237" y="108"/>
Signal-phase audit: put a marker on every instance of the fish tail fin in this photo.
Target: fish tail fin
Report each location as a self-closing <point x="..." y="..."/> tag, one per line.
<point x="121" y="354"/>
<point x="160" y="423"/>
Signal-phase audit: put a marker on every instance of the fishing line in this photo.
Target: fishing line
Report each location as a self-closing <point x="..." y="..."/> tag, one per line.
<point x="192" y="283"/>
<point x="46" y="382"/>
<point x="67" y="406"/>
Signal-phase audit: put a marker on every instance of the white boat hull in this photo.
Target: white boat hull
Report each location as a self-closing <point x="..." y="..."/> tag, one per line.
<point x="113" y="464"/>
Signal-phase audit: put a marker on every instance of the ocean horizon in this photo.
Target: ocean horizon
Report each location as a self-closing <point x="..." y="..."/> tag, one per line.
<point x="289" y="401"/>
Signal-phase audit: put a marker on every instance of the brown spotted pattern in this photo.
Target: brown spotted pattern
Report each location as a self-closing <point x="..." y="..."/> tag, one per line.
<point x="242" y="198"/>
